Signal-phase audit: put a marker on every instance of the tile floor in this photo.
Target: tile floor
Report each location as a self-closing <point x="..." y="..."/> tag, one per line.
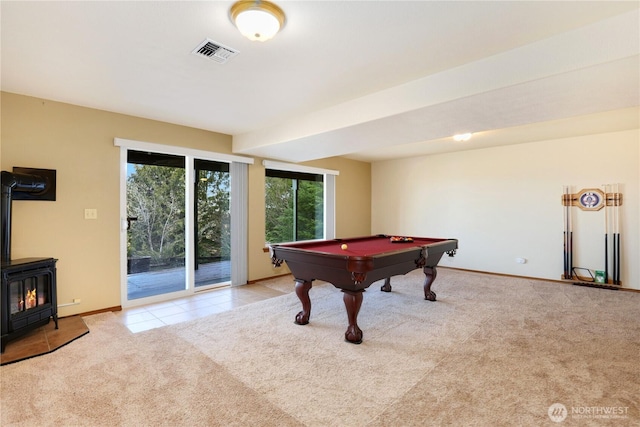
<point x="44" y="339"/>
<point x="156" y="315"/>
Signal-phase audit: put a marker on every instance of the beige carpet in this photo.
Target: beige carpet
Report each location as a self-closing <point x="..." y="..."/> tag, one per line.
<point x="491" y="351"/>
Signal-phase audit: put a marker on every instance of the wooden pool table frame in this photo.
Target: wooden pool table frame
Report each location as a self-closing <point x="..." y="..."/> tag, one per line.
<point x="353" y="273"/>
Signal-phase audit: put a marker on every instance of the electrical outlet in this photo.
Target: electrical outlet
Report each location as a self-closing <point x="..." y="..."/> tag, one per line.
<point x="91" y="214"/>
<point x="77" y="300"/>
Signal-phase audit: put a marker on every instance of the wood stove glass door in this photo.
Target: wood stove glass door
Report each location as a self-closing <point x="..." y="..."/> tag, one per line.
<point x="155" y="197"/>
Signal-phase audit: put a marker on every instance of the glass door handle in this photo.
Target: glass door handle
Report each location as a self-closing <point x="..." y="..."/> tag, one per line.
<point x="129" y="219"/>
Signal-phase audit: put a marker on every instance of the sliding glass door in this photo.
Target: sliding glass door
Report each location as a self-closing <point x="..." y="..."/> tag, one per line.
<point x="155" y="195"/>
<point x="212" y="225"/>
<point x="184" y="221"/>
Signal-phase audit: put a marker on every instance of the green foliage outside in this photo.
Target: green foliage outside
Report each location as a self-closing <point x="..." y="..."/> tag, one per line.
<point x="156" y="196"/>
<point x="214" y="215"/>
<point x="279" y="207"/>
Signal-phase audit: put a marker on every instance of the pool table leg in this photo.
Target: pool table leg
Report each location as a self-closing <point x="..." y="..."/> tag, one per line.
<point x="387" y="285"/>
<point x="352" y="302"/>
<point x="302" y="291"/>
<point x="430" y="274"/>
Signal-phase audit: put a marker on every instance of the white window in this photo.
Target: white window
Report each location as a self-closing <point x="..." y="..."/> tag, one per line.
<point x="299" y="202"/>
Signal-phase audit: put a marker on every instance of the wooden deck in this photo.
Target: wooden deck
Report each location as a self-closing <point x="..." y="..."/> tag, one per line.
<point x="140" y="285"/>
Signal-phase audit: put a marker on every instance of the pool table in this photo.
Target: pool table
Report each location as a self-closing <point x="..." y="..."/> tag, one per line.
<point x="353" y="264"/>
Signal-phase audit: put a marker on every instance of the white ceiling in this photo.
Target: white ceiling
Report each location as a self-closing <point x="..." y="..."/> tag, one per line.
<point x="369" y="80"/>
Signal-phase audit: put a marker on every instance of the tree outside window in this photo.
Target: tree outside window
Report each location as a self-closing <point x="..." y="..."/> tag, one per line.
<point x="294" y="206"/>
<point x="156" y="198"/>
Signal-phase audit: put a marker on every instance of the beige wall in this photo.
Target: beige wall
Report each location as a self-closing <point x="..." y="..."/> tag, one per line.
<point x="504" y="202"/>
<point x="78" y="143"/>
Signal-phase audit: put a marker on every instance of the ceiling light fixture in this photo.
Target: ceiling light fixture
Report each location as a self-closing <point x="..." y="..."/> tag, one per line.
<point x="462" y="137"/>
<point x="258" y="20"/>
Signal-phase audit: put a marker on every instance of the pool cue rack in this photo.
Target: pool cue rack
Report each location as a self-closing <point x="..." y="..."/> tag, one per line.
<point x="608" y="198"/>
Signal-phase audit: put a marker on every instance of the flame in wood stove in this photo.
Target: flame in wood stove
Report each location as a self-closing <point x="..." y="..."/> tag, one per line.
<point x="31" y="299"/>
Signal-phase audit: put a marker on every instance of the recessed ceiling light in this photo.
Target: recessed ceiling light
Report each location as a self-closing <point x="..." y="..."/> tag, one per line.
<point x="462" y="137"/>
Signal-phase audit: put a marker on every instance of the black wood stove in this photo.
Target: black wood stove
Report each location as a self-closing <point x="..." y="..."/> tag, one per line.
<point x="28" y="296"/>
<point x="28" y="291"/>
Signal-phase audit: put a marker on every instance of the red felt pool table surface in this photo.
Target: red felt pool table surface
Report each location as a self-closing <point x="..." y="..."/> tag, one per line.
<point x="363" y="246"/>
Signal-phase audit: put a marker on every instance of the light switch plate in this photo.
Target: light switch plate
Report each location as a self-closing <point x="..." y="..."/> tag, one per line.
<point x="91" y="214"/>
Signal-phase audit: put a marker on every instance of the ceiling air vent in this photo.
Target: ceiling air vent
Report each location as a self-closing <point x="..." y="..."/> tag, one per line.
<point x="215" y="51"/>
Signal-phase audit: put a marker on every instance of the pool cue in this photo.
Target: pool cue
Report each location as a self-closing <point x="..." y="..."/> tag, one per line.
<point x="617" y="198"/>
<point x="613" y="236"/>
<point x="567" y="247"/>
<point x="564" y="226"/>
<point x="618" y="234"/>
<point x="606" y="235"/>
<point x="570" y="222"/>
